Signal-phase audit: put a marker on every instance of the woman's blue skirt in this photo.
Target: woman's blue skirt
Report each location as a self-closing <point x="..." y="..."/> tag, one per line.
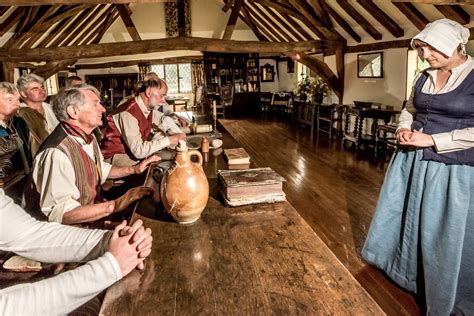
<point x="422" y="232"/>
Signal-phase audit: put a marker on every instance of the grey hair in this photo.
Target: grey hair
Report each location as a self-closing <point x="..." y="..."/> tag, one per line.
<point x="23" y="82"/>
<point x="7" y="87"/>
<point x="71" y="96"/>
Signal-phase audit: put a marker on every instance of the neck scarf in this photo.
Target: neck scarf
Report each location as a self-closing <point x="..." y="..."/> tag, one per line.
<point x="78" y="132"/>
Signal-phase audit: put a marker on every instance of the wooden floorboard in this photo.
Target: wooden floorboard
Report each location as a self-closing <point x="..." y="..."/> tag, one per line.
<point x="332" y="189"/>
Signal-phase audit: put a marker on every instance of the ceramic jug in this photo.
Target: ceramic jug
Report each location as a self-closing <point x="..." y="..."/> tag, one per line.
<point x="184" y="188"/>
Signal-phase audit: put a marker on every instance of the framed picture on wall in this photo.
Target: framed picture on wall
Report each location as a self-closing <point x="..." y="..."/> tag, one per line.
<point x="267" y="73"/>
<point x="370" y="65"/>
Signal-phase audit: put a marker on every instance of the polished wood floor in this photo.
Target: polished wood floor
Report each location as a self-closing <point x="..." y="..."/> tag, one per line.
<point x="332" y="189"/>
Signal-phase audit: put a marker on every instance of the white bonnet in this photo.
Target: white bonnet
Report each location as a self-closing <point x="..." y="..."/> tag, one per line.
<point x="445" y="35"/>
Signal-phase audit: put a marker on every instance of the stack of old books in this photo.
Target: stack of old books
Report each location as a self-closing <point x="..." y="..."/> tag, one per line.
<point x="251" y="186"/>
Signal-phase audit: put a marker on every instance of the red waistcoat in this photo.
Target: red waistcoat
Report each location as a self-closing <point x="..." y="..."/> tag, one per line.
<point x="113" y="143"/>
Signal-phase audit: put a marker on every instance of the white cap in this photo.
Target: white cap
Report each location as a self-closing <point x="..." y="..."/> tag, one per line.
<point x="444" y="35"/>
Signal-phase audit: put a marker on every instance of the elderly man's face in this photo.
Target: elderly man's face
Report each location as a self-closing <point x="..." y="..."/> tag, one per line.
<point x="157" y="96"/>
<point x="34" y="92"/>
<point x="90" y="113"/>
<point x="9" y="103"/>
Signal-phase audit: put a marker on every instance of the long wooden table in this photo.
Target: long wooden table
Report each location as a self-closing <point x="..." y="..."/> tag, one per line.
<point x="257" y="259"/>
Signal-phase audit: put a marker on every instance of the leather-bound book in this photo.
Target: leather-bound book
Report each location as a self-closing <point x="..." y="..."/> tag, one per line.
<point x="251" y="186"/>
<point x="236" y="156"/>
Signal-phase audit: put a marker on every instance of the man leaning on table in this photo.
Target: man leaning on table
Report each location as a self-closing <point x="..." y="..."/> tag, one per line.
<point x="136" y="130"/>
<point x="113" y="255"/>
<point x="69" y="167"/>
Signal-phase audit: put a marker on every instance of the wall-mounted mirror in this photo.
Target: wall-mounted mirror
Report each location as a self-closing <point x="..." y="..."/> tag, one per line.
<point x="268" y="73"/>
<point x="370" y="65"/>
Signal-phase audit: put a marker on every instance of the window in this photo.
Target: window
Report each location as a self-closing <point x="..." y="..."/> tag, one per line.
<point x="177" y="76"/>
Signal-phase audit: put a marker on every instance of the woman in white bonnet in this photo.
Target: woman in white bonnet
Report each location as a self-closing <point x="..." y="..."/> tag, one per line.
<point x="422" y="232"/>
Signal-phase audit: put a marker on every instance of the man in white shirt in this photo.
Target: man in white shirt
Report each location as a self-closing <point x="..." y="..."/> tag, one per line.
<point x="38" y="114"/>
<point x="69" y="167"/>
<point x="135" y="130"/>
<point x="113" y="254"/>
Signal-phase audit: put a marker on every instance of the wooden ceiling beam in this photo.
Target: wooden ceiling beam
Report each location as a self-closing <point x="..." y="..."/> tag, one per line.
<point x="322" y="69"/>
<point x="127" y="20"/>
<point x="404" y="43"/>
<point x="103" y="11"/>
<point x="387" y="22"/>
<point x="286" y="37"/>
<point x="360" y="19"/>
<point x="3" y="10"/>
<point x="127" y="63"/>
<point x="159" y="45"/>
<point x="58" y="15"/>
<point x="296" y="26"/>
<point x="245" y="16"/>
<point x="308" y="12"/>
<point x="447" y="2"/>
<point x="11" y="20"/>
<point x="70" y="2"/>
<point x="29" y="25"/>
<point x="340" y="20"/>
<point x="318" y="7"/>
<point x="76" y="26"/>
<point x="412" y="14"/>
<point x="455" y="13"/>
<point x="234" y="15"/>
<point x="284" y="9"/>
<point x="258" y="23"/>
<point x="284" y="24"/>
<point x="37" y="31"/>
<point x="46" y="71"/>
<point x="111" y="17"/>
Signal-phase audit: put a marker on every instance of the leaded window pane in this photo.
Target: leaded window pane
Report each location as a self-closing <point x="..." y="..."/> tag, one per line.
<point x="185" y="85"/>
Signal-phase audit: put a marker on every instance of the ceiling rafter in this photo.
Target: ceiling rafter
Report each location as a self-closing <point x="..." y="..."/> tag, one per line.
<point x="309" y="14"/>
<point x="340" y="20"/>
<point x="283" y="22"/>
<point x="69" y="2"/>
<point x="318" y="7"/>
<point x="229" y="29"/>
<point x="412" y="14"/>
<point x="11" y="20"/>
<point x="261" y="25"/>
<point x="275" y="26"/>
<point x="280" y="8"/>
<point x="296" y="26"/>
<point x="127" y="20"/>
<point x="455" y="13"/>
<point x="72" y="26"/>
<point x="388" y="23"/>
<point x="96" y="20"/>
<point x="353" y="13"/>
<point x="29" y="25"/>
<point x="41" y="25"/>
<point x="76" y="26"/>
<point x="245" y="16"/>
<point x="97" y="31"/>
<point x="112" y="16"/>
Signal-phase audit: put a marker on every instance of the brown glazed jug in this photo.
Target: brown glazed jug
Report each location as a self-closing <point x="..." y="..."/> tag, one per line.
<point x="184" y="188"/>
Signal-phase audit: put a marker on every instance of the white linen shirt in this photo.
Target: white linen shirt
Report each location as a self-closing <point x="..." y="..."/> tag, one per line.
<point x="454" y="140"/>
<point x="54" y="178"/>
<point x="128" y="127"/>
<point x="51" y="242"/>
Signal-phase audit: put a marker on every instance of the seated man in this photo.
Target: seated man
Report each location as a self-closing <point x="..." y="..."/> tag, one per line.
<point x="135" y="130"/>
<point x="38" y="114"/>
<point x="113" y="254"/>
<point x="72" y="81"/>
<point x="15" y="158"/>
<point x="69" y="168"/>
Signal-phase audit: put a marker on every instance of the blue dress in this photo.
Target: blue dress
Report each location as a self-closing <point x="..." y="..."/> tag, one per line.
<point x="422" y="232"/>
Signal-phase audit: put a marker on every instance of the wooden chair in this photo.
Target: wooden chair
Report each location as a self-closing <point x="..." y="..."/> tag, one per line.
<point x="265" y="102"/>
<point x="325" y="118"/>
<point x="281" y="103"/>
<point x="226" y="98"/>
